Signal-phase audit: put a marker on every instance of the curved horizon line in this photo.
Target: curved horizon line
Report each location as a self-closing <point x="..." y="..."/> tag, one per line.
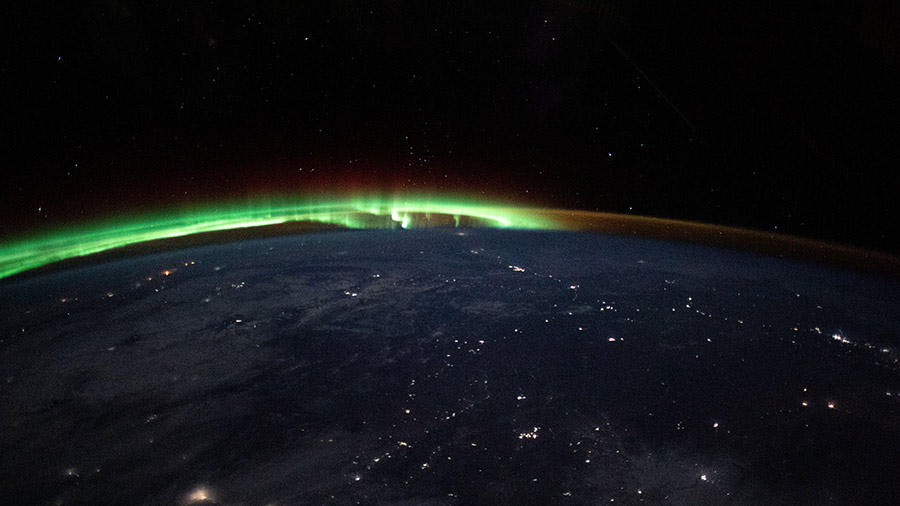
<point x="369" y="212"/>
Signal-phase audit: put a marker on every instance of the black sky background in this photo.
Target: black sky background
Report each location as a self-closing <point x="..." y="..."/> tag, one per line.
<point x="770" y="115"/>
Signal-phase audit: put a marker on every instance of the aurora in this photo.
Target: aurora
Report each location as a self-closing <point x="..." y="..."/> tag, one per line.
<point x="40" y="249"/>
<point x="285" y="215"/>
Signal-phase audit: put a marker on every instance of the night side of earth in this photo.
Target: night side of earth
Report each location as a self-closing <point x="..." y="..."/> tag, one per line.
<point x="454" y="253"/>
<point x="452" y="364"/>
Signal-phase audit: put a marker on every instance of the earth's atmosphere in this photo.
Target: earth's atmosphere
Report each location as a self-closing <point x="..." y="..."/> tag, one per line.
<point x="450" y="366"/>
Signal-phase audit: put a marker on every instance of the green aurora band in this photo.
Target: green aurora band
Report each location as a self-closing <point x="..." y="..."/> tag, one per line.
<point x="41" y="249"/>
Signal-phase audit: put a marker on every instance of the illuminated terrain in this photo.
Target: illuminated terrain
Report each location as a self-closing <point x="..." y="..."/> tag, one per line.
<point x="445" y="366"/>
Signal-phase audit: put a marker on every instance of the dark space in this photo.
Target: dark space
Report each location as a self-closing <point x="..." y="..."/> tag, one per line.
<point x="780" y="117"/>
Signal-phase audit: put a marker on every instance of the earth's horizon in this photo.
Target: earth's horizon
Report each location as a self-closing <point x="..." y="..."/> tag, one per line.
<point x="101" y="240"/>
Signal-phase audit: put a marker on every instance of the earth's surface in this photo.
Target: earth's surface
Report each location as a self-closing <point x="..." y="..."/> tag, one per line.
<point x="450" y="367"/>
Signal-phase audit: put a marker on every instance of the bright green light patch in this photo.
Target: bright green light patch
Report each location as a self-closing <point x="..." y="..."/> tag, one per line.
<point x="364" y="212"/>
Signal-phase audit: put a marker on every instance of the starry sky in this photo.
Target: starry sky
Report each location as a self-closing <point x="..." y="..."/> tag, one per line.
<point x="775" y="117"/>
